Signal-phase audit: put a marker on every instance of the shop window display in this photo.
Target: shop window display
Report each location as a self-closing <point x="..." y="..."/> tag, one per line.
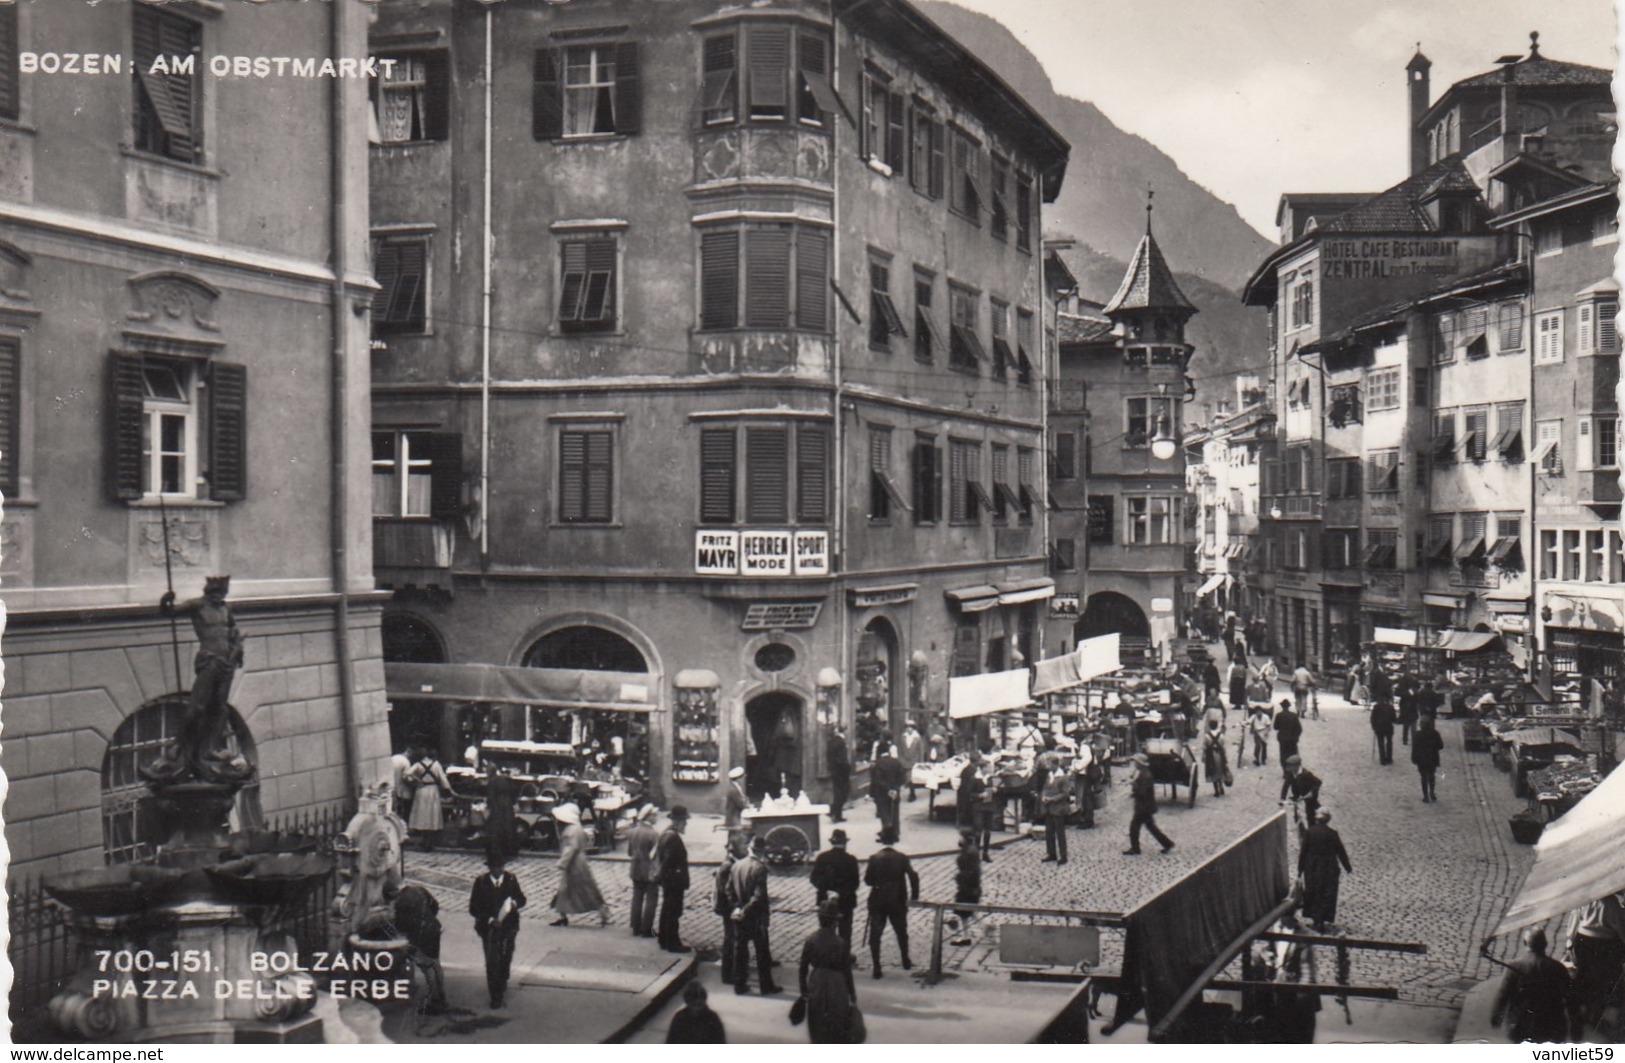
<point x="697" y="754"/>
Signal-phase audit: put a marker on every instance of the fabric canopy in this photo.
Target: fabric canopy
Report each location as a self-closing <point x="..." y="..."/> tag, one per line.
<point x="1540" y="736"/>
<point x="1212" y="584"/>
<point x="974" y="599"/>
<point x="978" y="695"/>
<point x="1394" y="636"/>
<point x="1579" y="858"/>
<point x="1093" y="657"/>
<point x="1027" y="590"/>
<point x="563" y="688"/>
<point x="1465" y="641"/>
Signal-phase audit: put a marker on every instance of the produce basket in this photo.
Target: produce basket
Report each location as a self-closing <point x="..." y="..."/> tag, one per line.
<point x="1526" y="827"/>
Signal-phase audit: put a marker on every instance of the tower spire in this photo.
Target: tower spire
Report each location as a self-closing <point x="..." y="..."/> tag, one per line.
<point x="1150" y="194"/>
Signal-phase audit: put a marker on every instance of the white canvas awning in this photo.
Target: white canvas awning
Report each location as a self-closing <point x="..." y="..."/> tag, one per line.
<point x="1093" y="657"/>
<point x="1394" y="636"/>
<point x="561" y="688"/>
<point x="1027" y="590"/>
<point x="1579" y="858"/>
<point x="979" y="695"/>
<point x="1212" y="584"/>
<point x="974" y="599"/>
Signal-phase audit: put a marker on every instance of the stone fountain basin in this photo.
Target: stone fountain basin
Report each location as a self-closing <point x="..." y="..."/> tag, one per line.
<point x="122" y="889"/>
<point x="269" y="878"/>
<point x="255" y="842"/>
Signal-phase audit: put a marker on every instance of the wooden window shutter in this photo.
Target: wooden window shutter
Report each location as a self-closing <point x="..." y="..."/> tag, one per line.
<point x="10" y="103"/>
<point x="812" y="474"/>
<point x="572" y="476"/>
<point x="628" y="95"/>
<point x="406" y="300"/>
<point x="547" y="96"/>
<point x="939" y="151"/>
<point x="600" y="476"/>
<point x="896" y="134"/>
<point x="10" y="402"/>
<point x="767" y="277"/>
<point x="573" y="285"/>
<point x="719" y="279"/>
<point x="720" y="67"/>
<point x="228" y="431"/>
<point x="718" y="456"/>
<point x="445" y="474"/>
<point x="155" y="33"/>
<point x="437" y="95"/>
<point x="812" y="279"/>
<point x="767" y="475"/>
<point x="586" y="476"/>
<point x="769" y="60"/>
<point x="126" y="390"/>
<point x="386" y="269"/>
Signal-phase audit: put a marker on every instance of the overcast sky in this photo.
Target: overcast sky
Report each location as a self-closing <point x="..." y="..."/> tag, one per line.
<point x="1257" y="97"/>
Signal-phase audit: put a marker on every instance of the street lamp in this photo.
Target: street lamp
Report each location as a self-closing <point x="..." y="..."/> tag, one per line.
<point x="1162" y="444"/>
<point x="1275" y="511"/>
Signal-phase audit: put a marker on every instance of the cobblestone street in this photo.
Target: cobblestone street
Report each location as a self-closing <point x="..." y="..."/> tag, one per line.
<point x="1437" y="873"/>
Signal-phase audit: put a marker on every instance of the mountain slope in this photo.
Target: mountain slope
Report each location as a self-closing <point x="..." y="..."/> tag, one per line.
<point x="1102" y="206"/>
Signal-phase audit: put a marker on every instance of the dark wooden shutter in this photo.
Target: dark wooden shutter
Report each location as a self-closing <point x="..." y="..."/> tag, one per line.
<point x="600" y="476"/>
<point x="721" y="77"/>
<point x="896" y="134"/>
<point x="572" y="476"/>
<point x="628" y="94"/>
<point x="10" y="402"/>
<point x="228" y="431"/>
<point x="126" y="390"/>
<point x="718" y="448"/>
<point x="9" y="101"/>
<point x="445" y="474"/>
<point x="812" y="474"/>
<point x="810" y="60"/>
<point x="767" y="475"/>
<point x="437" y="95"/>
<point x="812" y="279"/>
<point x="939" y="150"/>
<point x="386" y="270"/>
<point x="573" y="285"/>
<point x="767" y="277"/>
<point x="546" y="96"/>
<point x="406" y="300"/>
<point x="719" y="279"/>
<point x="769" y="63"/>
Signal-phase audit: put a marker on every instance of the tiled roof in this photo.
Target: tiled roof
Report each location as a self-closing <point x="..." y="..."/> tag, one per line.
<point x="1149" y="284"/>
<point x="1398" y="210"/>
<point x="1071" y="328"/>
<point x="1539" y="70"/>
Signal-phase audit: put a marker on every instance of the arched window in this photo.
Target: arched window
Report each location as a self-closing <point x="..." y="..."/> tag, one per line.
<point x="592" y="649"/>
<point x="130" y="828"/>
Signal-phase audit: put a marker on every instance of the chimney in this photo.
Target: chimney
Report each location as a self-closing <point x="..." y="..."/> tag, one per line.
<point x="1416" y="75"/>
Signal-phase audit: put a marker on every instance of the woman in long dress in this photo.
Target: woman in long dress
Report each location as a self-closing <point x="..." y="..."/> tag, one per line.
<point x="826" y="981"/>
<point x="578" y="890"/>
<point x="430" y="784"/>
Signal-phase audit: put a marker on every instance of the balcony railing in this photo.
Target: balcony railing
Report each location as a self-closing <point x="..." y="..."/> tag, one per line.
<point x="410" y="542"/>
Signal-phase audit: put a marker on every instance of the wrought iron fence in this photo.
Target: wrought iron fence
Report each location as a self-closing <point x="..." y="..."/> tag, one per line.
<point x="44" y="951"/>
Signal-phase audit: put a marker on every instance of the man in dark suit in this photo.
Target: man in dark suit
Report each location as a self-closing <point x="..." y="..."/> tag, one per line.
<point x="1538" y="996"/>
<point x="886" y="779"/>
<point x="1301" y="784"/>
<point x="1288" y="730"/>
<point x="892" y="883"/>
<point x="671" y="863"/>
<point x="836" y="871"/>
<point x="1382" y="725"/>
<point x="839" y="759"/>
<point x="1405" y="693"/>
<point x="747" y="891"/>
<point x="969" y="791"/>
<point x="722" y="900"/>
<point x="1144" y="789"/>
<point x="494" y="903"/>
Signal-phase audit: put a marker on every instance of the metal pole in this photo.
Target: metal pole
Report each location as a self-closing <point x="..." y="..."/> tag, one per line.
<point x="169" y="584"/>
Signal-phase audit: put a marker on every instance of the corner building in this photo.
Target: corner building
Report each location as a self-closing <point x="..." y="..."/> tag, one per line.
<point x="183" y="354"/>
<point x="708" y="373"/>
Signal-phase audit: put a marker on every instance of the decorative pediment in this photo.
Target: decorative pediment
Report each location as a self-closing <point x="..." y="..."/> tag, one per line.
<point x="14" y="267"/>
<point x="170" y="301"/>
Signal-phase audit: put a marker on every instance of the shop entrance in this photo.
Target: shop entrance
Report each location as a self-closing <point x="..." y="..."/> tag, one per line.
<point x="774" y="762"/>
<point x="409" y="640"/>
<point x="878" y="709"/>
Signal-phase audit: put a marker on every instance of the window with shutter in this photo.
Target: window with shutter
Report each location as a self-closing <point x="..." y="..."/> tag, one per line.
<point x="938" y="167"/>
<point x="586" y="476"/>
<point x="812" y="474"/>
<point x="228" y="431"/>
<point x="1607" y="327"/>
<point x="876" y="97"/>
<point x="815" y="99"/>
<point x="962" y="473"/>
<point x="718" y="474"/>
<point x="884" y="320"/>
<point x="166" y="111"/>
<point x="964" y="346"/>
<point x="1511" y="327"/>
<point x="767" y="475"/>
<point x="1066" y="455"/>
<point x="10" y="98"/>
<point x="588" y="287"/>
<point x="1026" y="346"/>
<point x="1475" y="433"/>
<point x="1549" y="337"/>
<point x="401" y="266"/>
<point x="411" y="97"/>
<point x="720" y="73"/>
<point x="883" y="491"/>
<point x="999" y="222"/>
<point x="927" y="475"/>
<point x="127" y="391"/>
<point x="1026" y="481"/>
<point x="10" y="405"/>
<point x="1025" y="203"/>
<point x="719" y="279"/>
<point x="896" y="133"/>
<point x="926" y="338"/>
<point x="812" y="279"/>
<point x="547" y="95"/>
<point x="768" y="56"/>
<point x="767" y="277"/>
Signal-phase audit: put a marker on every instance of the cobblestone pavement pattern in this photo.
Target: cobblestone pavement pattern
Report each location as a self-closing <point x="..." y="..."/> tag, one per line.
<point x="1438" y="873"/>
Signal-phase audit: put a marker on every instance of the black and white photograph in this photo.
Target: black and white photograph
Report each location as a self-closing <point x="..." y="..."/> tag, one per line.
<point x="811" y="521"/>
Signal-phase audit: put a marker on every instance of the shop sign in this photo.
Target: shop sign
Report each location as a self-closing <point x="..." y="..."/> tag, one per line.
<point x="1162" y="605"/>
<point x="889" y="596"/>
<point x="761" y="554"/>
<point x="1516" y="623"/>
<point x="1386" y="585"/>
<point x="716" y="553"/>
<point x="1485" y="579"/>
<point x="1369" y="259"/>
<point x="780" y="616"/>
<point x="1065" y="606"/>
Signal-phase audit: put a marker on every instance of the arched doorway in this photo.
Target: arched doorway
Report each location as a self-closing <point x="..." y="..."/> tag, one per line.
<point x="876" y="665"/>
<point x="410" y="640"/>
<point x="1109" y="611"/>
<point x="774" y="762"/>
<point x="589" y="648"/>
<point x="130" y="827"/>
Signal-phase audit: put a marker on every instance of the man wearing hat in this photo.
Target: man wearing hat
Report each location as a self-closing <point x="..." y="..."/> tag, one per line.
<point x="1321" y="863"/>
<point x="747" y="891"/>
<point x="640" y="849"/>
<point x="886" y="781"/>
<point x="1303" y="785"/>
<point x="722" y="899"/>
<point x="836" y="871"/>
<point x="735" y="801"/>
<point x="671" y="868"/>
<point x="839" y="760"/>
<point x="494" y="903"/>
<point x="1144" y="789"/>
<point x="892" y="883"/>
<point x="1288" y="729"/>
